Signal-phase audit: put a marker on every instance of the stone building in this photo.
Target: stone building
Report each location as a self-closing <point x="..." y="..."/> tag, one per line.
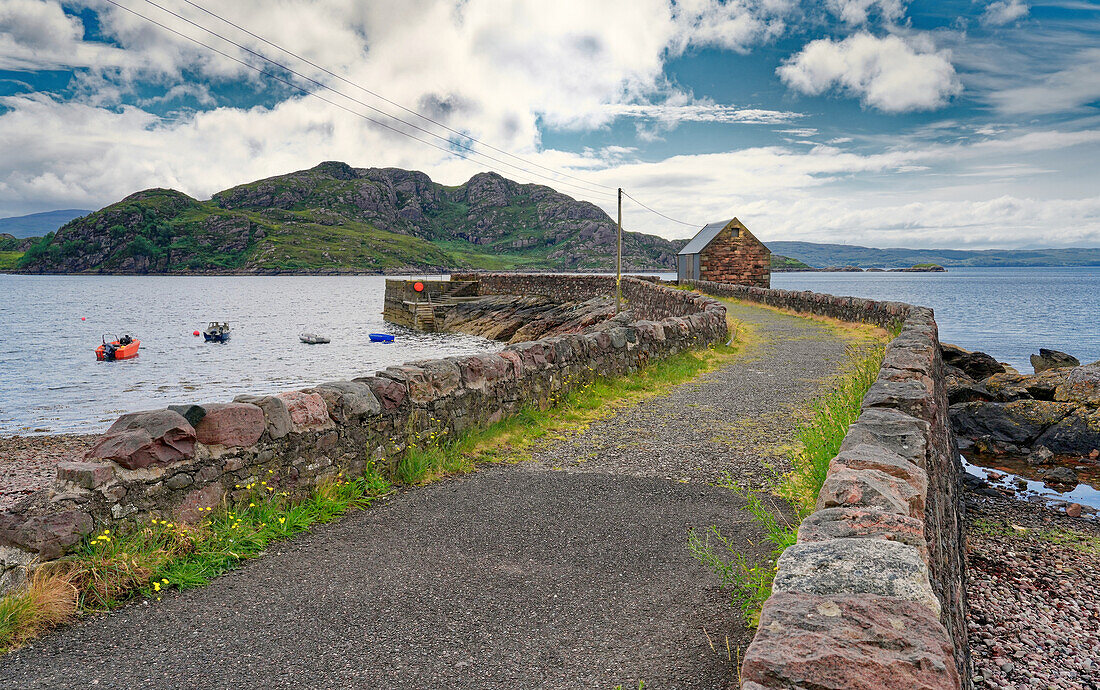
<point x="725" y="252"/>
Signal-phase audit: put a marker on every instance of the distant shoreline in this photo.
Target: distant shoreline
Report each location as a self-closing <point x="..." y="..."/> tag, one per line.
<point x="395" y="273"/>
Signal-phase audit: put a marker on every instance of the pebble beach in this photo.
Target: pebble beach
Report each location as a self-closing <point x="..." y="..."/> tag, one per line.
<point x="1034" y="596"/>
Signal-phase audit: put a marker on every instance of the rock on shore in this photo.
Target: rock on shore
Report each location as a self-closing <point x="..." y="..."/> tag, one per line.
<point x="1003" y="411"/>
<point x="517" y="319"/>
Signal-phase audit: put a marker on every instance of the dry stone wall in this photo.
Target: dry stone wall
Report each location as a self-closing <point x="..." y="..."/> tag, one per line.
<point x="180" y="461"/>
<point x="873" y="593"/>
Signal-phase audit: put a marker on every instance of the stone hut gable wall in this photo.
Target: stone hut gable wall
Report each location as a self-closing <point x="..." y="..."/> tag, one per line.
<point x="741" y="260"/>
<point x="178" y="462"/>
<point x="873" y="594"/>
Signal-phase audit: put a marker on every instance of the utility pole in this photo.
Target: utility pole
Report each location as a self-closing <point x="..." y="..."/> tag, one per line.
<point x="619" y="259"/>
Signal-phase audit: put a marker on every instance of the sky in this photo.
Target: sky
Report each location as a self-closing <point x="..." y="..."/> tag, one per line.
<point x="889" y="123"/>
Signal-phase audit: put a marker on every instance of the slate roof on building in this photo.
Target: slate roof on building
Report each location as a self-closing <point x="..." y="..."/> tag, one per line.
<point x="704" y="236"/>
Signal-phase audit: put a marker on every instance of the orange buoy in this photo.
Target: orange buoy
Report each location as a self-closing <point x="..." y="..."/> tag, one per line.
<point x="83" y="318"/>
<point x="418" y="286"/>
<point x="195" y="333"/>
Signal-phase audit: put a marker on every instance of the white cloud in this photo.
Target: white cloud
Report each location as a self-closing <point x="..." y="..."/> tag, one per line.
<point x="857" y="12"/>
<point x="1062" y="91"/>
<point x="35" y="34"/>
<point x="1003" y="12"/>
<point x="505" y="70"/>
<point x="799" y="131"/>
<point x="78" y="155"/>
<point x="887" y="73"/>
<point x="703" y="112"/>
<point x="736" y="25"/>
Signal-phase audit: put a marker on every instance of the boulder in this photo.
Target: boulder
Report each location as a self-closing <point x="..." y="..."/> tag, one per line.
<point x="1077" y="433"/>
<point x="192" y="413"/>
<point x="1041" y="455"/>
<point x="231" y="424"/>
<point x="276" y="414"/>
<point x="1011" y="386"/>
<point x="1019" y="423"/>
<point x="90" y="475"/>
<point x="856" y="566"/>
<point x="347" y="401"/>
<point x="977" y="365"/>
<point x="962" y="388"/>
<point x="850" y="642"/>
<point x="48" y="535"/>
<point x="1052" y="359"/>
<point x="1080" y="385"/>
<point x="1059" y="475"/>
<point x="307" y="410"/>
<point x="141" y="439"/>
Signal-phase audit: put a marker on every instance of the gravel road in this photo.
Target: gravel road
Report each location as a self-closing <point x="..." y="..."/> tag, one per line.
<point x="555" y="573"/>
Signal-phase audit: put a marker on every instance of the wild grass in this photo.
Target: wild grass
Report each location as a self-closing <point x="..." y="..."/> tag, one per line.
<point x="513" y="438"/>
<point x="108" y="569"/>
<point x="46" y="601"/>
<point x="817" y="443"/>
<point x="1083" y="542"/>
<point x="9" y="261"/>
<point x="818" y="440"/>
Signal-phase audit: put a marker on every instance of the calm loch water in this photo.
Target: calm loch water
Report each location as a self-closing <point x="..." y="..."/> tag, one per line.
<point x="1008" y="312"/>
<point x="51" y="383"/>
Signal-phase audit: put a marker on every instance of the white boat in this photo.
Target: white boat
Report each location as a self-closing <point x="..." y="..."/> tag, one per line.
<point x="312" y="339"/>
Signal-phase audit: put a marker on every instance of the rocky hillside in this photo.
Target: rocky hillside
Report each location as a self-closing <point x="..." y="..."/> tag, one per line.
<point x="335" y="218"/>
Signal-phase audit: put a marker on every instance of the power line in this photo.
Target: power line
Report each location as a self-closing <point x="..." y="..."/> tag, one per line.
<point x="372" y="120"/>
<point x="290" y="83"/>
<point x="393" y="103"/>
<point x="674" y="220"/>
<point x="350" y="98"/>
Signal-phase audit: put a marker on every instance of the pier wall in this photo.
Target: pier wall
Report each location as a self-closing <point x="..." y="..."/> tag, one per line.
<point x="176" y="463"/>
<point x="873" y="593"/>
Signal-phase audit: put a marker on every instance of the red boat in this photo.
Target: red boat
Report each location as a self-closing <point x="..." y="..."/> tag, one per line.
<point x="120" y="348"/>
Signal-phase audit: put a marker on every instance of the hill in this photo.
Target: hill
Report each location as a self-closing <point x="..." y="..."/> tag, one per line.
<point x="823" y="255"/>
<point x="335" y="218"/>
<point x="38" y="224"/>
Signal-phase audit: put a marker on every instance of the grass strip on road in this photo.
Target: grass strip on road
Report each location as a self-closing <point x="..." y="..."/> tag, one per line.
<point x="817" y="441"/>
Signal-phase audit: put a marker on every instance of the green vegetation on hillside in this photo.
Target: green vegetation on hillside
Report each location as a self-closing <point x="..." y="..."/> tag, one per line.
<point x="780" y="263"/>
<point x="9" y="261"/>
<point x="335" y="218"/>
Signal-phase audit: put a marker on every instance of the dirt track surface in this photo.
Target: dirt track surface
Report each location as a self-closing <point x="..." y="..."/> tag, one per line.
<point x="549" y="574"/>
